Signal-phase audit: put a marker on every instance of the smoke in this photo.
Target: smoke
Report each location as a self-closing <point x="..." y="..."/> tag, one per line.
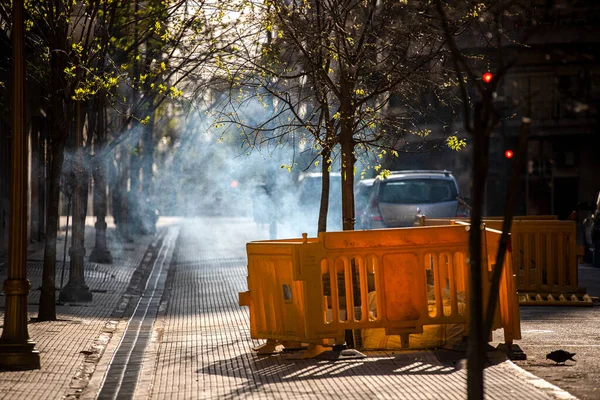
<point x="204" y="169"/>
<point x="211" y="172"/>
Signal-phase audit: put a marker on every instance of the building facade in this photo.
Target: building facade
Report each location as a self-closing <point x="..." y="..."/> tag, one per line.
<point x="556" y="83"/>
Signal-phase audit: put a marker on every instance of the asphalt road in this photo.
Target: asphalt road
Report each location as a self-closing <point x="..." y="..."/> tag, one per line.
<point x="574" y="329"/>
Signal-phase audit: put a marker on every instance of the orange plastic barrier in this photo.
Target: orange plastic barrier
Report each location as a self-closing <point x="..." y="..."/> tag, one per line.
<point x="544" y="253"/>
<point x="312" y="290"/>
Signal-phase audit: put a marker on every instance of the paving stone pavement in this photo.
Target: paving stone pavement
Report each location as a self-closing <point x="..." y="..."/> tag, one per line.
<point x="201" y="347"/>
<point x="80" y="327"/>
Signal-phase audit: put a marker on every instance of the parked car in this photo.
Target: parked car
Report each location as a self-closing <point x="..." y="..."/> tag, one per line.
<point x="591" y="233"/>
<point x="397" y="199"/>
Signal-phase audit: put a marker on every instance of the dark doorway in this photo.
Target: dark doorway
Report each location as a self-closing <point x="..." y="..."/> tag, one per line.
<point x="540" y="196"/>
<point x="565" y="196"/>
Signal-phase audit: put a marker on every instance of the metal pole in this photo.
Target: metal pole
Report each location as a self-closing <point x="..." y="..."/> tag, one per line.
<point x="17" y="350"/>
<point x="100" y="253"/>
<point x="76" y="290"/>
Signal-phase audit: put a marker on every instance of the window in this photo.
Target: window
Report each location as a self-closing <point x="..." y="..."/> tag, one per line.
<point x="416" y="191"/>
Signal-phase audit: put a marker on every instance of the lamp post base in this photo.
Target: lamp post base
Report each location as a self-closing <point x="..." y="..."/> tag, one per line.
<point x="75" y="293"/>
<point x="18" y="357"/>
<point x="100" y="253"/>
<point x="101" y="256"/>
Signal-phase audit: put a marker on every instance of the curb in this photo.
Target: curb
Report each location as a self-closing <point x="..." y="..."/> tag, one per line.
<point x="536" y="381"/>
<point x="145" y="384"/>
<point x="79" y="386"/>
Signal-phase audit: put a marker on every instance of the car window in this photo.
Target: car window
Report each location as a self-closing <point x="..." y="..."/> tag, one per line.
<point x="415" y="191"/>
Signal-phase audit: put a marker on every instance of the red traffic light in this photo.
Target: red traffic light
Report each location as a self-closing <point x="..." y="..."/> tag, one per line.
<point x="509" y="154"/>
<point x="487" y="77"/>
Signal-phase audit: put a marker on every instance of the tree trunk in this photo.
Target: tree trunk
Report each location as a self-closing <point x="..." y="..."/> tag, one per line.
<point x="476" y="354"/>
<point x="348" y="160"/>
<point x="325" y="188"/>
<point x="47" y="311"/>
<point x="59" y="119"/>
<point x="147" y="204"/>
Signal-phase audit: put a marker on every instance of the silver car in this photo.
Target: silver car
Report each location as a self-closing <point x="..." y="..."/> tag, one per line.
<point x="397" y="199"/>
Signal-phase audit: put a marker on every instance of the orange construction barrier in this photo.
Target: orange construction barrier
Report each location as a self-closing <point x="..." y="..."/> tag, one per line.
<point x="544" y="252"/>
<point x="311" y="290"/>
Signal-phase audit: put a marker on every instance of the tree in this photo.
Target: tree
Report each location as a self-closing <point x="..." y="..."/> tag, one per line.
<point x="75" y="51"/>
<point x="490" y="42"/>
<point x="330" y="69"/>
<point x="163" y="56"/>
<point x="51" y="32"/>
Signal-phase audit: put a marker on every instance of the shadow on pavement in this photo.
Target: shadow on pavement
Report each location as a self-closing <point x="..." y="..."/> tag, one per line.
<point x="265" y="370"/>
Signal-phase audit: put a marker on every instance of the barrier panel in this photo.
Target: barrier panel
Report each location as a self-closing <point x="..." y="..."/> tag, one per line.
<point x="544" y="255"/>
<point x="508" y="300"/>
<point x="313" y="290"/>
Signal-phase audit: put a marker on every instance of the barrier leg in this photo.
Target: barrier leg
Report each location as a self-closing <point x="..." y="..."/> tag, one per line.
<point x="404" y="340"/>
<point x="271" y="347"/>
<point x="337" y="353"/>
<point x="292" y="346"/>
<point x="311" y="351"/>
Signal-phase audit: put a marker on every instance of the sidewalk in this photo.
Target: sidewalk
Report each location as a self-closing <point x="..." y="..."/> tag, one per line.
<point x="70" y="346"/>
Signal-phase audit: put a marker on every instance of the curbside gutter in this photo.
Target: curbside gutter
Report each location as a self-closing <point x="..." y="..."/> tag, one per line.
<point x="82" y="385"/>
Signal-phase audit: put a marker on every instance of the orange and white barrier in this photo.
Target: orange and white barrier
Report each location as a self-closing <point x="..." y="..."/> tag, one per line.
<point x="311" y="290"/>
<point x="544" y="256"/>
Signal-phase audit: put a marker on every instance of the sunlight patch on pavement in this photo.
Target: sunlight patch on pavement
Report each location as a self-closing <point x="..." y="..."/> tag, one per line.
<point x="419" y="366"/>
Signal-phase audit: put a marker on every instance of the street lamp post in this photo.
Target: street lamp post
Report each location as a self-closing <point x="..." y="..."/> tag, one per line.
<point x="17" y="350"/>
<point x="100" y="254"/>
<point x="76" y="290"/>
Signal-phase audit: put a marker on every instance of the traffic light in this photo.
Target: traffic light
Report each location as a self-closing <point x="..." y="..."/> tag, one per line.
<point x="508" y="154"/>
<point x="487" y="77"/>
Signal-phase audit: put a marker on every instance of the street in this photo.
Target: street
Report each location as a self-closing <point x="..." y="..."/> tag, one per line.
<point x="200" y="345"/>
<point x="574" y="329"/>
<point x="165" y="323"/>
<point x="144" y="144"/>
